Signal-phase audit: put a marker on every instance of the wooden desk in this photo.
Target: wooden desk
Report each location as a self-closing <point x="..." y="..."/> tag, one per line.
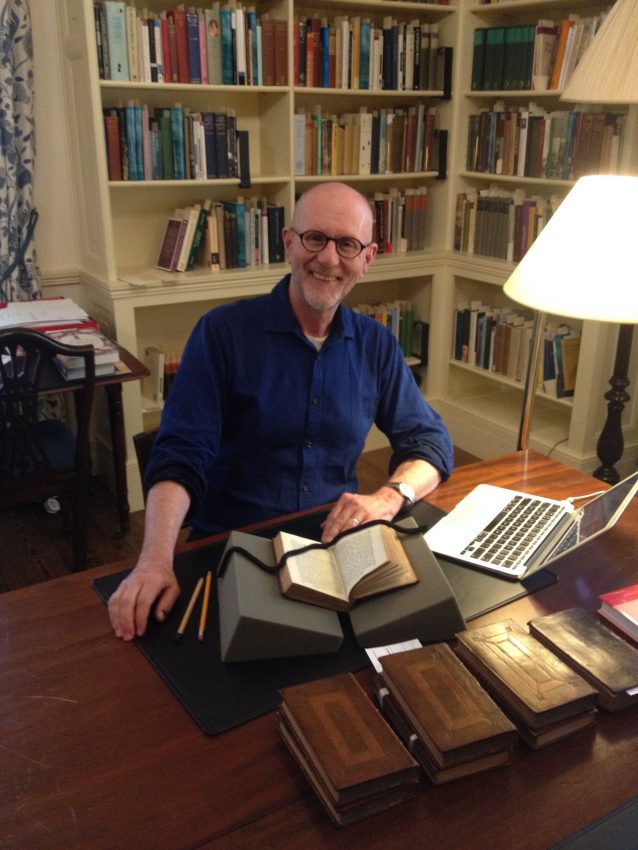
<point x="55" y="383"/>
<point x="95" y="752"/>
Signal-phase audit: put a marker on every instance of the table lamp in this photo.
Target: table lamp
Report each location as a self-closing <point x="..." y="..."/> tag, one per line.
<point x="584" y="263"/>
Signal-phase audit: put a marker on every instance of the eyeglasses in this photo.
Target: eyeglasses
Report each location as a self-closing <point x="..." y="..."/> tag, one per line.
<point x="315" y="241"/>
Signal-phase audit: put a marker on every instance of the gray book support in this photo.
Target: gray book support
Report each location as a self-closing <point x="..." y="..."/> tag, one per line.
<point x="257" y="622"/>
<point x="427" y="610"/>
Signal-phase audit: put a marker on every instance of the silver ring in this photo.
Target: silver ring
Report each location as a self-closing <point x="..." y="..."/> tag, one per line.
<point x="356" y="520"/>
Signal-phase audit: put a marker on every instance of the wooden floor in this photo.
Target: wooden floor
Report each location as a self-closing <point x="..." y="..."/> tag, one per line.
<point x="33" y="547"/>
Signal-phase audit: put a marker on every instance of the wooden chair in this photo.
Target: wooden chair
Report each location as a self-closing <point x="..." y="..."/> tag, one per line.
<point x="143" y="443"/>
<point x="40" y="459"/>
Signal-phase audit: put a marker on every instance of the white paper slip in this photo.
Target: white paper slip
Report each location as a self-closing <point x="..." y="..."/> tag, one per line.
<point x="376" y="652"/>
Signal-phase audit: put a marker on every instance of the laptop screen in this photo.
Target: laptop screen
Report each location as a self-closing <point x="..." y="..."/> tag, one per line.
<point x="596" y="516"/>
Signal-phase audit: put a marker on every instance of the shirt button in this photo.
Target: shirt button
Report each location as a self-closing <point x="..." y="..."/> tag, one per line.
<point x="306" y="488"/>
<point x="308" y="444"/>
<point x="315" y="400"/>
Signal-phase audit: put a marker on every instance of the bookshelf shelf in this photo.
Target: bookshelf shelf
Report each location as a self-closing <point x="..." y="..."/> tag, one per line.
<point x="219" y="182"/>
<point x="123" y="86"/>
<point x="545" y="7"/>
<point x="366" y="94"/>
<point x="508" y="382"/>
<point x="434" y="11"/>
<point x="564" y="185"/>
<point x="371" y="178"/>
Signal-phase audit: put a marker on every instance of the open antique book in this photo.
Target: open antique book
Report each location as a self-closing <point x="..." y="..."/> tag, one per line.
<point x="364" y="563"/>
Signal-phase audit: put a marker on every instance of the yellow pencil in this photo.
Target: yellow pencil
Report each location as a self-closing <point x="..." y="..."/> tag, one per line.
<point x="204" y="614"/>
<point x="189" y="610"/>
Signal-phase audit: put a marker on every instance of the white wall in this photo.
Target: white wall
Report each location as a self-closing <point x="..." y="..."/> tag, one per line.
<point x="56" y="235"/>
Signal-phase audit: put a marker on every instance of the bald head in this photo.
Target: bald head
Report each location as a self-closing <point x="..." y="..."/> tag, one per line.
<point x="334" y="201"/>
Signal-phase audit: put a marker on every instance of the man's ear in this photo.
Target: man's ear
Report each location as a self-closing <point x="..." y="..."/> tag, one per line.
<point x="369" y="254"/>
<point x="286" y="235"/>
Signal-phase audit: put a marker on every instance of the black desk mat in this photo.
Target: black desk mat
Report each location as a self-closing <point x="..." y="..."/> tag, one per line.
<point x="219" y="696"/>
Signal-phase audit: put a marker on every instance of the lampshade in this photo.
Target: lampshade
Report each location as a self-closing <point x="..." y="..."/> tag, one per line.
<point x="584" y="263"/>
<point x="608" y="71"/>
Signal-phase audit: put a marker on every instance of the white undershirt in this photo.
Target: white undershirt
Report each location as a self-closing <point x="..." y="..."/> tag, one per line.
<point x="317" y="341"/>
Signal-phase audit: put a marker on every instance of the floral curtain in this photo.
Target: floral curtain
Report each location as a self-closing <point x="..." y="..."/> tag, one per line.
<point x="18" y="272"/>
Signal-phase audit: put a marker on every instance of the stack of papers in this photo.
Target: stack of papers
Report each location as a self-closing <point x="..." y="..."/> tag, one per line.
<point x="48" y="311"/>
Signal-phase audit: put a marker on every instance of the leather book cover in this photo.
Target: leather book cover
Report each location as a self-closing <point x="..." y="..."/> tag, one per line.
<point x="346" y="739"/>
<point x="604" y="659"/>
<point x="531" y="681"/>
<point x="343" y="814"/>
<point x="538" y="738"/>
<point x="436" y="774"/>
<point x="446" y="707"/>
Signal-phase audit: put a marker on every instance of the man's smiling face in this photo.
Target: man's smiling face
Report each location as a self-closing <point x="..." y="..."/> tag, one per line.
<point x="321" y="281"/>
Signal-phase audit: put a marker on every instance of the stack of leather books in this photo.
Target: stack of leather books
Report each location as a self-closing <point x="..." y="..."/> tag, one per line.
<point x="446" y="719"/>
<point x="605" y="660"/>
<point x="545" y="698"/>
<point x="353" y="760"/>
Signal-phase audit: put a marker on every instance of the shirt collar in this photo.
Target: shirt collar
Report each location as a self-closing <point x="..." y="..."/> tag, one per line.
<point x="280" y="317"/>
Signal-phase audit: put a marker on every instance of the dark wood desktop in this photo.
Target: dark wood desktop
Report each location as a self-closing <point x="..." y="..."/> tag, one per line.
<point x="112" y="384"/>
<point x="96" y="752"/>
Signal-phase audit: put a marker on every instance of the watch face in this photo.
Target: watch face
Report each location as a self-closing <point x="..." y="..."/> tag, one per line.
<point x="407" y="492"/>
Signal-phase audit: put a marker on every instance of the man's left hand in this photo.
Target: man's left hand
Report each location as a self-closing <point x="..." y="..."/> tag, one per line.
<point x="353" y="509"/>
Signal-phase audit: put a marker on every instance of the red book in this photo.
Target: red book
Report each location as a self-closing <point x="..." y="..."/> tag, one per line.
<point x="268" y="50"/>
<point x="181" y="42"/>
<point x="281" y="51"/>
<point x="86" y="324"/>
<point x="620" y="607"/>
<point x="166" y="51"/>
<point x="113" y="155"/>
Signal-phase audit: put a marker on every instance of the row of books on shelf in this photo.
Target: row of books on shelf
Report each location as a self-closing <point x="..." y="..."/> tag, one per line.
<point x="173" y="143"/>
<point x="419" y="730"/>
<point x="532" y="142"/>
<point x="381" y="141"/>
<point x="226" y="44"/>
<point x="399" y="220"/>
<point x="499" y="339"/>
<point x="162" y="367"/>
<point x="399" y="317"/>
<point x="498" y="223"/>
<point x="219" y="235"/>
<point x="356" y="53"/>
<point x="536" y="56"/>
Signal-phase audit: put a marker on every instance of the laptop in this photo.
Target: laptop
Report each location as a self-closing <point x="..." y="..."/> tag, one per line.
<point x="512" y="534"/>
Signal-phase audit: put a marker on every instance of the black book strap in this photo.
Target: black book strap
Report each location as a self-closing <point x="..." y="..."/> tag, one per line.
<point x="273" y="570"/>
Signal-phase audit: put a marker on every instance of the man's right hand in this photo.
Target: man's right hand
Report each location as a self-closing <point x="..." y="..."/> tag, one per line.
<point x="153" y="579"/>
<point x="130" y="605"/>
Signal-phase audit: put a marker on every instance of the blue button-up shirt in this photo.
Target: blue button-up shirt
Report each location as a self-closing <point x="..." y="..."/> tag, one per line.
<point x="259" y="423"/>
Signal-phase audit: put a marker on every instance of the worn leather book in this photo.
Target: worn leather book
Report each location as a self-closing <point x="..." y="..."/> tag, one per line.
<point x="369" y="561"/>
<point x="344" y="745"/>
<point x="451" y="714"/>
<point x="527" y="679"/>
<point x="604" y="659"/>
<point x="538" y="738"/>
<point x="344" y="814"/>
<point x="436" y="774"/>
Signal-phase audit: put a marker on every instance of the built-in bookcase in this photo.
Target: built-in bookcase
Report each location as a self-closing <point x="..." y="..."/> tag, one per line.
<point x="123" y="221"/>
<point x="483" y="408"/>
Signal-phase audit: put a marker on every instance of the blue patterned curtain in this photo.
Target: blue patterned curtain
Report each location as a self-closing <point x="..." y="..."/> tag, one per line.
<point x="18" y="272"/>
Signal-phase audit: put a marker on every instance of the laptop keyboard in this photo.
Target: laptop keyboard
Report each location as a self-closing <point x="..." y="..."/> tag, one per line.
<point x="514" y="533"/>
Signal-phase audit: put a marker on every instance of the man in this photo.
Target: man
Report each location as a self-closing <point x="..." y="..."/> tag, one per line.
<point x="272" y="403"/>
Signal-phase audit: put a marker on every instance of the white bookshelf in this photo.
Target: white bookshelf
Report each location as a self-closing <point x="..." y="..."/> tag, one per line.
<point x="122" y="223"/>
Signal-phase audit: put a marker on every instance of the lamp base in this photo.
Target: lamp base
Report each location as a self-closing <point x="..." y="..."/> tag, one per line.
<point x="610" y="443"/>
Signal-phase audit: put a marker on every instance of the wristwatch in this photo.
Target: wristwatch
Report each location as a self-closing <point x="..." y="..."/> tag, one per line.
<point x="409" y="496"/>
